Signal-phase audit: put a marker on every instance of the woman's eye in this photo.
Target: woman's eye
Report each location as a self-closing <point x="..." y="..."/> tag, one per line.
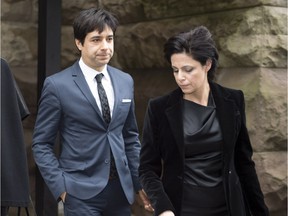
<point x="188" y="69"/>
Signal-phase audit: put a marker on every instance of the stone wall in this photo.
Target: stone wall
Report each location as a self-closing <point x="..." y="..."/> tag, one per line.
<point x="252" y="40"/>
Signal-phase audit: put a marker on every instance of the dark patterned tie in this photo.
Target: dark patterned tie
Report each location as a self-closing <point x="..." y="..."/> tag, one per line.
<point x="107" y="118"/>
<point x="103" y="99"/>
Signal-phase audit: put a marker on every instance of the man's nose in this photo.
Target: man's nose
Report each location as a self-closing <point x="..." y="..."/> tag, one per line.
<point x="104" y="44"/>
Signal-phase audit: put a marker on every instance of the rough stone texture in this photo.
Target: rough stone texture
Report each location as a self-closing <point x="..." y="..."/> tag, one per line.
<point x="252" y="40"/>
<point x="19" y="10"/>
<point x="241" y="39"/>
<point x="174" y="8"/>
<point x="71" y="8"/>
<point x="272" y="172"/>
<point x="16" y="44"/>
<point x="266" y="105"/>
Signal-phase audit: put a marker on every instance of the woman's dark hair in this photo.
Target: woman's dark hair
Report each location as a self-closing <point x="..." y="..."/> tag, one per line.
<point x="92" y="19"/>
<point x="198" y="43"/>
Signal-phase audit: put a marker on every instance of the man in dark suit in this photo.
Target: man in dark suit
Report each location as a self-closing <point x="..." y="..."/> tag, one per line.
<point x="91" y="106"/>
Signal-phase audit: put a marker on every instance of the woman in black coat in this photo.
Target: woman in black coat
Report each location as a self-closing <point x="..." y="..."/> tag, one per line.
<point x="196" y="156"/>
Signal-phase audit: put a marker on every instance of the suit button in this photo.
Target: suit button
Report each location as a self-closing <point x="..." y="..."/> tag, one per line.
<point x="107" y="161"/>
<point x="230" y="171"/>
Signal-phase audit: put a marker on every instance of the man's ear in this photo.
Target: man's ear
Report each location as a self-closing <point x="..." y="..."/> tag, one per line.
<point x="78" y="44"/>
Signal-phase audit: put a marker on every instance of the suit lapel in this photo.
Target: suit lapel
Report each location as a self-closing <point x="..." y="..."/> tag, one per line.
<point x="116" y="88"/>
<point x="80" y="81"/>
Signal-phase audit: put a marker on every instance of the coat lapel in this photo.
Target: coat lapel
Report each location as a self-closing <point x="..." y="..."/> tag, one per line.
<point x="225" y="109"/>
<point x="80" y="81"/>
<point x="226" y="113"/>
<point x="174" y="115"/>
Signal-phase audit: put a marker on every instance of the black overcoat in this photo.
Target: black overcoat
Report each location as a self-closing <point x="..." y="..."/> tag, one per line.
<point x="14" y="168"/>
<point x="162" y="146"/>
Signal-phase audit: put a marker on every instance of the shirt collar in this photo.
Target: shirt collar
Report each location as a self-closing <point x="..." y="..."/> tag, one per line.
<point x="89" y="72"/>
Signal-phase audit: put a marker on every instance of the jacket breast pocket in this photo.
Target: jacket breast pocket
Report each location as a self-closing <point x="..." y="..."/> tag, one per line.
<point x="123" y="109"/>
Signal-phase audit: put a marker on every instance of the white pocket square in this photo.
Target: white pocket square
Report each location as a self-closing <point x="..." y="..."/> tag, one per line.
<point x="126" y="100"/>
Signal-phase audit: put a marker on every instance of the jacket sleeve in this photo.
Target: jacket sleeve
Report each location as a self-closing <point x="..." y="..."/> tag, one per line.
<point x="246" y="168"/>
<point x="45" y="132"/>
<point x="132" y="146"/>
<point x="150" y="164"/>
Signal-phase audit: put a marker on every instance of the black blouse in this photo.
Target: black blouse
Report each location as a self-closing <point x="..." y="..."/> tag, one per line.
<point x="203" y="144"/>
<point x="203" y="189"/>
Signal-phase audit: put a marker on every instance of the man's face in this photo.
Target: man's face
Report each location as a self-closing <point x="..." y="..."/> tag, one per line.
<point x="97" y="49"/>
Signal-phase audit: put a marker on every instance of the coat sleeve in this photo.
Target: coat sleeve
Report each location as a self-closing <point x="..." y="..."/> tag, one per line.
<point x="246" y="168"/>
<point x="150" y="164"/>
<point x="14" y="167"/>
<point x="24" y="111"/>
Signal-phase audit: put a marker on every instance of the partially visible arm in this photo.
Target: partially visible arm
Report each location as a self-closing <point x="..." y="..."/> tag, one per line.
<point x="132" y="145"/>
<point x="45" y="132"/>
<point x="145" y="200"/>
<point x="150" y="168"/>
<point x="246" y="167"/>
<point x="167" y="213"/>
<point x="63" y="196"/>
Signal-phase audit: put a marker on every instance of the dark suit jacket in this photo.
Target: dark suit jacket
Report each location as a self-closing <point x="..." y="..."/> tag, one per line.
<point x="163" y="142"/>
<point x="67" y="106"/>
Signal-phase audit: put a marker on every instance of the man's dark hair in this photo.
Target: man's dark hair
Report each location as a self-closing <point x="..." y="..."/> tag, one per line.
<point x="198" y="43"/>
<point x="92" y="19"/>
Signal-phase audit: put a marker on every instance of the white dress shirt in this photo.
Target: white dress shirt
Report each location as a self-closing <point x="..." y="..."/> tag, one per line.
<point x="90" y="74"/>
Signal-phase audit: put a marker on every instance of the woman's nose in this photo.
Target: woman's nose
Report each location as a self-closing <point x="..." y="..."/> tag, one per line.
<point x="180" y="76"/>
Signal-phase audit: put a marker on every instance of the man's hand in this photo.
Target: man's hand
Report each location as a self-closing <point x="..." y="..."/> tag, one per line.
<point x="145" y="200"/>
<point x="63" y="196"/>
<point x="167" y="213"/>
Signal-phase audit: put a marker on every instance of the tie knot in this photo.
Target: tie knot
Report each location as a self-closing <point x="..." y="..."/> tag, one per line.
<point x="99" y="77"/>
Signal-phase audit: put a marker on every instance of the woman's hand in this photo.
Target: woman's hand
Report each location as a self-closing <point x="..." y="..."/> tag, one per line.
<point x="145" y="200"/>
<point x="167" y="213"/>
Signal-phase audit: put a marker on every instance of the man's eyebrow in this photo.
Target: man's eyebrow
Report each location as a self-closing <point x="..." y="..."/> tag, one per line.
<point x="100" y="36"/>
<point x="96" y="36"/>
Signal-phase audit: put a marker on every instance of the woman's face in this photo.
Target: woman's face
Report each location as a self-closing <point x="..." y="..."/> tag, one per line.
<point x="189" y="74"/>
